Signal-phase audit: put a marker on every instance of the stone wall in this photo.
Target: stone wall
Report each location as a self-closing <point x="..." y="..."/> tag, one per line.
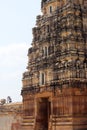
<point x="10" y="116"/>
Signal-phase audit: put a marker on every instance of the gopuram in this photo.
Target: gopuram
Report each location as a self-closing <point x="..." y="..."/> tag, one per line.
<point x="55" y="84"/>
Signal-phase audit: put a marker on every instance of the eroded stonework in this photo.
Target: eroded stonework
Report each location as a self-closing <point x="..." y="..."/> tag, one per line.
<point x="55" y="83"/>
<point x="11" y="116"/>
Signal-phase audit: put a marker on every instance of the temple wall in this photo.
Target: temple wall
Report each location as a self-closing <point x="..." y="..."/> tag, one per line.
<point x="11" y="116"/>
<point x="55" y="84"/>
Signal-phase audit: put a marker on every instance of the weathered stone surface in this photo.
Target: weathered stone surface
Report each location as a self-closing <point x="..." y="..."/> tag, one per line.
<point x="11" y="116"/>
<point x="55" y="83"/>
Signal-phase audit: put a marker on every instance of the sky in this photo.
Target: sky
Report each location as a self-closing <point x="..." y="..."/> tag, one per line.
<point x="17" y="18"/>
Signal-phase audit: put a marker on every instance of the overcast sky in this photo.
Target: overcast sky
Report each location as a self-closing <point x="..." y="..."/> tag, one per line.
<point x="17" y="18"/>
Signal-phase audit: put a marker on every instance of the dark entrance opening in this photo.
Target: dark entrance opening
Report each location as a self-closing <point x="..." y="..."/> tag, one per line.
<point x="44" y="112"/>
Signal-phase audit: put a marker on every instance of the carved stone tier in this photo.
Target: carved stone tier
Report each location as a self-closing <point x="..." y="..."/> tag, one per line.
<point x="65" y="110"/>
<point x="55" y="83"/>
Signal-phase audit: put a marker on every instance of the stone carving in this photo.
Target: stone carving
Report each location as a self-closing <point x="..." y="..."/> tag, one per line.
<point x="57" y="68"/>
<point x="2" y="101"/>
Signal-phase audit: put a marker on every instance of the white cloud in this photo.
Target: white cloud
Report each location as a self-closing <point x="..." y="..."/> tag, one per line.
<point x="13" y="63"/>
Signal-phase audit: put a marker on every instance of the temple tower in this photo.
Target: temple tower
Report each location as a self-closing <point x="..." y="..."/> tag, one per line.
<point x="55" y="84"/>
